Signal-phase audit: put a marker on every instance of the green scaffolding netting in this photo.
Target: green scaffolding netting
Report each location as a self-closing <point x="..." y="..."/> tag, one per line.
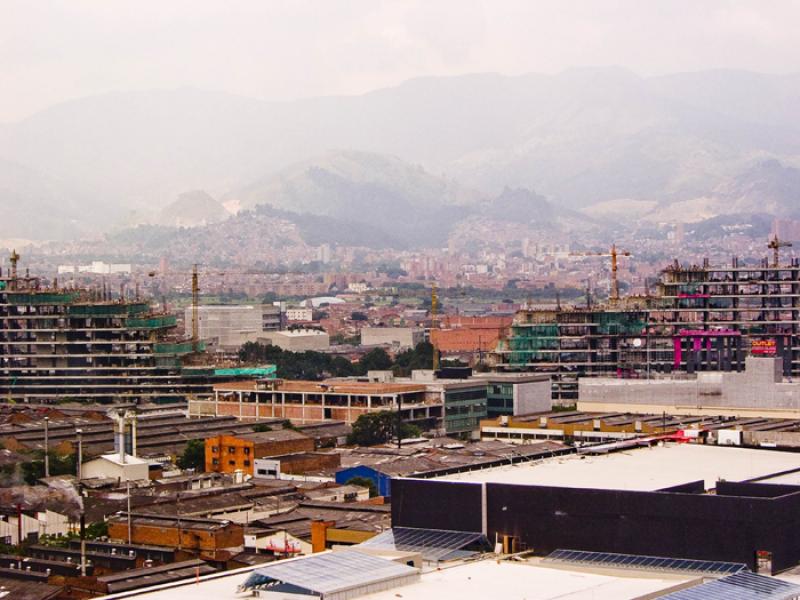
<point x="43" y="298"/>
<point x="152" y="322"/>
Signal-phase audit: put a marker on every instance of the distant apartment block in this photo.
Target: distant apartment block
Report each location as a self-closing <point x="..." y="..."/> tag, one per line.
<point x="230" y="326"/>
<point x="97" y="267"/>
<point x="397" y="337"/>
<point x="299" y="313"/>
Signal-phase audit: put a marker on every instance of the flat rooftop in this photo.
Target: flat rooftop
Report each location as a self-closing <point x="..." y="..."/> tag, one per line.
<point x="483" y="579"/>
<point x="324" y="387"/>
<point x="641" y="469"/>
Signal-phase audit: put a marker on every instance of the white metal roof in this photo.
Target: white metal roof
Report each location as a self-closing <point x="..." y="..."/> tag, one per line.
<point x="331" y="572"/>
<point x="644" y="469"/>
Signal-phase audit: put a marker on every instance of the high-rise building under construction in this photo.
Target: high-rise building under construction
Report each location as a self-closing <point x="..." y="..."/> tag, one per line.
<point x="77" y="344"/>
<point x="701" y="318"/>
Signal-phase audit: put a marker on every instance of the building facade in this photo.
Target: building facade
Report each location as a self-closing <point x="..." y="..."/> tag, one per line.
<point x="78" y="344"/>
<point x="231" y="453"/>
<point x="230" y="326"/>
<point x="702" y="318"/>
<point x="307" y="402"/>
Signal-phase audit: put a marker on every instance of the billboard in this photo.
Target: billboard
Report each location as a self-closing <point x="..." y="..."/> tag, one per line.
<point x="763" y="348"/>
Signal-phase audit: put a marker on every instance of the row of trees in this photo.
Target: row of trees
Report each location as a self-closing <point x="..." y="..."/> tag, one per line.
<point x="315" y="366"/>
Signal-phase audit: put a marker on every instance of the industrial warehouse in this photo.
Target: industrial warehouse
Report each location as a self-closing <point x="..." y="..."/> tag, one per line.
<point x="679" y="501"/>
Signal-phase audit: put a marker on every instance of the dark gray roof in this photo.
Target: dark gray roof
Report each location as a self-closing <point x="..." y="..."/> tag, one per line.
<point x="740" y="586"/>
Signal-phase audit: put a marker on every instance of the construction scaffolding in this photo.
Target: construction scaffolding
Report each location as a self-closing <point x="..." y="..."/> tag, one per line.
<point x="58" y="345"/>
<point x="701" y="318"/>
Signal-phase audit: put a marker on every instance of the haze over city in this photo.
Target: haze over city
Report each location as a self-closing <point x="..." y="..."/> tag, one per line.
<point x="376" y="299"/>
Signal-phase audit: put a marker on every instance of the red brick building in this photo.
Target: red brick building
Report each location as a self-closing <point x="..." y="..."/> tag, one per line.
<point x="229" y="453"/>
<point x="208" y="537"/>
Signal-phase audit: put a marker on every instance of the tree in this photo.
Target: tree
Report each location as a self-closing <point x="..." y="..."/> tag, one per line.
<point x="33" y="470"/>
<point x="194" y="456"/>
<point x="372" y="429"/>
<point x="261" y="427"/>
<point x="379" y="428"/>
<point x="358" y="316"/>
<point x="420" y="357"/>
<point x="269" y="298"/>
<point x="375" y="360"/>
<point x="364" y="482"/>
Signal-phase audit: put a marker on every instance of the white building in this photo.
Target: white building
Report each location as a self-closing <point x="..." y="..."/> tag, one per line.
<point x="299" y="313"/>
<point x="112" y="466"/>
<point x="97" y="267"/>
<point x="397" y="337"/>
<point x="44" y="522"/>
<point x="298" y="340"/>
<point x="233" y="325"/>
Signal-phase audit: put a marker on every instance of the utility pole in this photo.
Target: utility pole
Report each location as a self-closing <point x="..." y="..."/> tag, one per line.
<point x="178" y="508"/>
<point x="128" y="485"/>
<point x="46" y="448"/>
<point x="434" y="303"/>
<point x="400" y="419"/>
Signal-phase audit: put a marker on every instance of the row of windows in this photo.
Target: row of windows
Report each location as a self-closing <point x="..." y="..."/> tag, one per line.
<point x="232" y="463"/>
<point x="466" y="395"/>
<point x="231" y="450"/>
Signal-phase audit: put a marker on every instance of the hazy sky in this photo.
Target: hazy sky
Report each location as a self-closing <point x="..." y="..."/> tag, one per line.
<point x="52" y="51"/>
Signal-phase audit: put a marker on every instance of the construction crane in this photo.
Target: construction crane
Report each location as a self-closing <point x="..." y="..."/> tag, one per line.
<point x="434" y="306"/>
<point x="775" y="244"/>
<point x="195" y="308"/>
<point x="613" y="253"/>
<point x="196" y="294"/>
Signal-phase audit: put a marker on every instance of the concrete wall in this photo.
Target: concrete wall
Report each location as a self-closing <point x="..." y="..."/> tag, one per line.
<point x="402" y="337"/>
<point x="532" y="396"/>
<point x="234" y="325"/>
<point x="759" y="387"/>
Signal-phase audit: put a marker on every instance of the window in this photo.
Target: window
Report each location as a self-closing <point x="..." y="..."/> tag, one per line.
<point x="214" y="449"/>
<point x="261" y="471"/>
<point x="247" y="450"/>
<point x="214" y="461"/>
<point x="231" y="449"/>
<point x="232" y="463"/>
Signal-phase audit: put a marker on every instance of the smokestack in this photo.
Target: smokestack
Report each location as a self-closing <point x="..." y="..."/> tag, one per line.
<point x="134" y="445"/>
<point x="83" y="543"/>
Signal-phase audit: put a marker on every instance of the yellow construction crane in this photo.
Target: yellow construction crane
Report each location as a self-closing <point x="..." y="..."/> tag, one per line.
<point x="196" y="293"/>
<point x="195" y="308"/>
<point x="775" y="245"/>
<point x="434" y="306"/>
<point x="613" y="253"/>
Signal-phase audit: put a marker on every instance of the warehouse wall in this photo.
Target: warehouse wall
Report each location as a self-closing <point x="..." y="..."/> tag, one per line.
<point x="721" y="527"/>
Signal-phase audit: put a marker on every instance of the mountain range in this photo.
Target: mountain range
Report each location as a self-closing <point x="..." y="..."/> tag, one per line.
<point x="603" y="141"/>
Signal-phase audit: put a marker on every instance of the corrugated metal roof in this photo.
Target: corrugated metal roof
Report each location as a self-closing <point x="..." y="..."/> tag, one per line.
<point x="330" y="572"/>
<point x="740" y="586"/>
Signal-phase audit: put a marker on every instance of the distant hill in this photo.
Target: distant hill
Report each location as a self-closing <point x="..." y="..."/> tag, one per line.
<point x="191" y="209"/>
<point x="579" y="138"/>
<point x="36" y="206"/>
<point x="403" y="203"/>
